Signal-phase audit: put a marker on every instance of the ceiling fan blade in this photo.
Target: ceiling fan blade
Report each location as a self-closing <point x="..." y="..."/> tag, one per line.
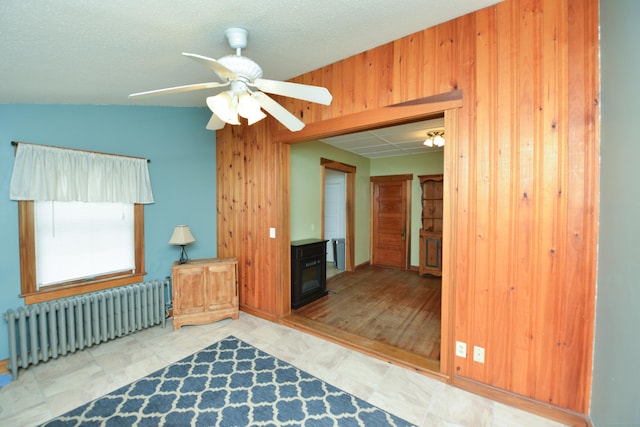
<point x="177" y="89"/>
<point x="215" y="123"/>
<point x="222" y="71"/>
<point x="317" y="94"/>
<point x="290" y="121"/>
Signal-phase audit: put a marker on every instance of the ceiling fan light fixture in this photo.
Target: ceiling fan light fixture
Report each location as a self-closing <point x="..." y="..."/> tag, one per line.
<point x="249" y="107"/>
<point x="223" y="106"/>
<point x="255" y="117"/>
<point x="434" y="139"/>
<point x="247" y="96"/>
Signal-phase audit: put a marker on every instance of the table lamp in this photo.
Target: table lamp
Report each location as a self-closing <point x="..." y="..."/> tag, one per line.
<point x="182" y="236"/>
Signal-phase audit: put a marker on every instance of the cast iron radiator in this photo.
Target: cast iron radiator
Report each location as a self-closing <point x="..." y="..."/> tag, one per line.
<point x="54" y="328"/>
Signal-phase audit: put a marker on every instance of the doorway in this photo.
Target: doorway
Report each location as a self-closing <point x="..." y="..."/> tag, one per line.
<point x="335" y="213"/>
<point x="447" y="104"/>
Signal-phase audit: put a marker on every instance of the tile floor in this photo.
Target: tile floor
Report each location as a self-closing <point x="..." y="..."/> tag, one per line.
<point x="50" y="389"/>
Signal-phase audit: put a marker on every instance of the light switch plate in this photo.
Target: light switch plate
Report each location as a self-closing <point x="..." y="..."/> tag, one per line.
<point x="272" y="233"/>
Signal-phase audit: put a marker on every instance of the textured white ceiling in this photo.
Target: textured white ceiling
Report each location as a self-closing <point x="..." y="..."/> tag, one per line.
<point x="99" y="51"/>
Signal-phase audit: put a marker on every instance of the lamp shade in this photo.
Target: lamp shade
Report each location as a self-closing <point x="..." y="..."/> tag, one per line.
<point x="181" y="236"/>
<point x="434" y="139"/>
<point x="249" y="108"/>
<point x="225" y="107"/>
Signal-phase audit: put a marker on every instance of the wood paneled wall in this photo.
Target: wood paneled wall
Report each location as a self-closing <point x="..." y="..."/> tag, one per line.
<point x="527" y="184"/>
<point x="251" y="180"/>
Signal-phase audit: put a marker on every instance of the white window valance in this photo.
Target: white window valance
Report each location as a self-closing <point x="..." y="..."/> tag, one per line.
<point x="44" y="173"/>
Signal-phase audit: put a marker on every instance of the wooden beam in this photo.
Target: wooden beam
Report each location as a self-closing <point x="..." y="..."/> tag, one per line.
<point x="391" y="115"/>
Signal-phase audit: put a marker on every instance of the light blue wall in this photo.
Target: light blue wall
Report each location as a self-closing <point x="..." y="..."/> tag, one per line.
<point x="182" y="169"/>
<point x="616" y="375"/>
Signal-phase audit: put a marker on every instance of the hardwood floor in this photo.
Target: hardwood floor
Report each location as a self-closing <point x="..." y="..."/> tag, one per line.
<point x="390" y="313"/>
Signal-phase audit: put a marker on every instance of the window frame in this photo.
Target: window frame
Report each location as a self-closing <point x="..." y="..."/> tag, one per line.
<point x="30" y="291"/>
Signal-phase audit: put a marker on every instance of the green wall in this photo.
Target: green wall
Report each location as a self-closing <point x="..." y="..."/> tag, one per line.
<point x="616" y="377"/>
<point x="305" y="203"/>
<point x="306" y="187"/>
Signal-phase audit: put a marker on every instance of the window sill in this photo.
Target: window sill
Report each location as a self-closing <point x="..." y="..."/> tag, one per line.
<point x="83" y="288"/>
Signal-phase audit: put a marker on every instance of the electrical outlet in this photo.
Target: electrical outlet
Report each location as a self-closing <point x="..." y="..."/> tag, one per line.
<point x="461" y="349"/>
<point x="478" y="354"/>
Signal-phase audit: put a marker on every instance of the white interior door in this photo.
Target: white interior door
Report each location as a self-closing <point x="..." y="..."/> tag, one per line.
<point x="335" y="203"/>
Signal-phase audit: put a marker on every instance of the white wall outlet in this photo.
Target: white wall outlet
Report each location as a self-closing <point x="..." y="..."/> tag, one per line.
<point x="272" y="233"/>
<point x="461" y="349"/>
<point x="478" y="354"/>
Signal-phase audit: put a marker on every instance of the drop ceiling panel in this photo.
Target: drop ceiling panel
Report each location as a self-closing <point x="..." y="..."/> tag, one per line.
<point x="390" y="141"/>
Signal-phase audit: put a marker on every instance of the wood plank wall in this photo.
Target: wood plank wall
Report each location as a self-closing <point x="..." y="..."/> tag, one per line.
<point x="526" y="219"/>
<point x="249" y="184"/>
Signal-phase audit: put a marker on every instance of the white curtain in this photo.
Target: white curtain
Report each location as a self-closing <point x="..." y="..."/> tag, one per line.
<point x="43" y="173"/>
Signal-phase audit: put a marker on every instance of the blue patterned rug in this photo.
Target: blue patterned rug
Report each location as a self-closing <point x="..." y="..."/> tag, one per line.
<point x="229" y="383"/>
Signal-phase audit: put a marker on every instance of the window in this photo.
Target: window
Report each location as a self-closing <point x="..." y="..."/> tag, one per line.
<point x="36" y="288"/>
<point x="68" y="201"/>
<point x="78" y="240"/>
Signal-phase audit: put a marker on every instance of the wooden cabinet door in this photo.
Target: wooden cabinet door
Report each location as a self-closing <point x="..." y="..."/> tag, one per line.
<point x="431" y="254"/>
<point x="431" y="231"/>
<point x="220" y="289"/>
<point x="188" y="295"/>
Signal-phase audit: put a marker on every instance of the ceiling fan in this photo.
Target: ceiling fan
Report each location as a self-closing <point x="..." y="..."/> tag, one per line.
<point x="246" y="95"/>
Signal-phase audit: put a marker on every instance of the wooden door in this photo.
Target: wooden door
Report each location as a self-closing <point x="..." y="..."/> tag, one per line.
<point x="390" y="226"/>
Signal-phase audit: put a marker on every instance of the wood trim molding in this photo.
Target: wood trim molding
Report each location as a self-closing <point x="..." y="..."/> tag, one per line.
<point x="260" y="313"/>
<point x="384" y="352"/>
<point x="381" y="117"/>
<point x="449" y="241"/>
<point x="350" y="216"/>
<point x="29" y="289"/>
<point x="71" y="290"/>
<point x="4" y="366"/>
<point x="419" y="109"/>
<point x="561" y="415"/>
<point x="350" y="251"/>
<point x="283" y="224"/>
<point x="332" y="164"/>
<point x="389" y="178"/>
